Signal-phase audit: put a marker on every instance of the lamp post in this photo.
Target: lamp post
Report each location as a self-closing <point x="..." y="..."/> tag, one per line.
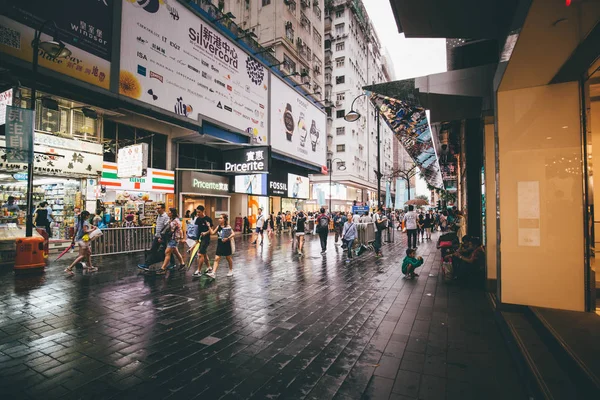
<point x="353" y="116"/>
<point x="54" y="49"/>
<point x="330" y="168"/>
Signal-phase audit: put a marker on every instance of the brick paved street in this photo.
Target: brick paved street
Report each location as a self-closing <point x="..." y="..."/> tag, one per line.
<point x="282" y="327"/>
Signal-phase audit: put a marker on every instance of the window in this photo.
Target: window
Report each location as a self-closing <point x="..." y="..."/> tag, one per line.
<point x="340" y="79"/>
<point x="291" y="5"/>
<point x="308" y="54"/>
<point x="289" y="31"/>
<point x="340" y="113"/>
<point x="266" y="2"/>
<point x="339" y="46"/>
<point x="340" y="130"/>
<point x="288" y="64"/>
<point x="305" y="22"/>
<point x="84" y="127"/>
<point x="339" y="13"/>
<point x="339" y="29"/>
<point x="340" y="148"/>
<point x="340" y="96"/>
<point x="318" y="38"/>
<point x="317" y="10"/>
<point x="339" y="62"/>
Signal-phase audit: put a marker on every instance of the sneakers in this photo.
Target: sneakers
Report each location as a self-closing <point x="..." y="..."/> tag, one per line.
<point x="197" y="273"/>
<point x="143" y="266"/>
<point x="230" y="273"/>
<point x="211" y="275"/>
<point x="160" y="271"/>
<point x="181" y="267"/>
<point x="171" y="266"/>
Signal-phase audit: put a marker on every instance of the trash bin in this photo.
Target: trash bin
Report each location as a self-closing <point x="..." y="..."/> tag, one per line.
<point x="30" y="253"/>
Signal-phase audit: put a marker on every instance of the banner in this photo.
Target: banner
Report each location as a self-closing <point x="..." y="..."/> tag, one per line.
<point x="19" y="135"/>
<point x="400" y="189"/>
<point x="297" y="126"/>
<point x="85" y="26"/>
<point x="172" y="59"/>
<point x="388" y="195"/>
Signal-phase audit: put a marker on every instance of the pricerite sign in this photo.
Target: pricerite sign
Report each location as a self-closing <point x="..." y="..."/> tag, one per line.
<point x="247" y="160"/>
<point x="174" y="60"/>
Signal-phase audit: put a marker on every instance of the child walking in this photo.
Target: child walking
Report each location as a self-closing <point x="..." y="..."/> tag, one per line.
<point x="410" y="263"/>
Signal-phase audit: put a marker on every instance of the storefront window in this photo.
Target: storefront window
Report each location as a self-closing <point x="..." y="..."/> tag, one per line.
<point x="84" y="128"/>
<point x="52" y="121"/>
<point x="117" y="136"/>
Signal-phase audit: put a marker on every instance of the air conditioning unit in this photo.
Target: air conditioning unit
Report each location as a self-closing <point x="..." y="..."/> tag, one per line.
<point x="338" y="103"/>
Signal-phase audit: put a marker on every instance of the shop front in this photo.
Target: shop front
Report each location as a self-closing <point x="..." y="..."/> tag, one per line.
<point x="197" y="188"/>
<point x="343" y="197"/>
<point x="65" y="171"/>
<point x="135" y="195"/>
<point x="287" y="192"/>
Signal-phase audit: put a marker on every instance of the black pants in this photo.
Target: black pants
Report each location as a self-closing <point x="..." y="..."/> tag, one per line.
<point x="153" y="255"/>
<point x="377" y="243"/>
<point x="412" y="234"/>
<point x="323" y="236"/>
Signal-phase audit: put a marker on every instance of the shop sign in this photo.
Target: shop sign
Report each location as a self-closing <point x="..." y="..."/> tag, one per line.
<point x="69" y="144"/>
<point x="132" y="160"/>
<point x="85" y="26"/>
<point x="54" y="161"/>
<point x="174" y="60"/>
<point x="5" y="100"/>
<point x="255" y="184"/>
<point x="297" y="125"/>
<point x="156" y="180"/>
<point x="198" y="182"/>
<point x="19" y="135"/>
<point x="247" y="160"/>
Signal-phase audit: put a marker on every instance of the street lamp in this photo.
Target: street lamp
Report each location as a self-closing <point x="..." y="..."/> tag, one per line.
<point x="54" y="48"/>
<point x="340" y="168"/>
<point x="353" y="116"/>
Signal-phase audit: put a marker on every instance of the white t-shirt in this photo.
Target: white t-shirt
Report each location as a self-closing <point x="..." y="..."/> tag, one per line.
<point x="410" y="220"/>
<point x="260" y="221"/>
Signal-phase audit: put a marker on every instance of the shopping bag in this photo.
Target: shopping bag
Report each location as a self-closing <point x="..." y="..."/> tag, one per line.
<point x="361" y="249"/>
<point x="232" y="245"/>
<point x="96" y="233"/>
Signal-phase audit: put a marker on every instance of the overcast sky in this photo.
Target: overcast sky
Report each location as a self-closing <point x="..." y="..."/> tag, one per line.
<point x="411" y="57"/>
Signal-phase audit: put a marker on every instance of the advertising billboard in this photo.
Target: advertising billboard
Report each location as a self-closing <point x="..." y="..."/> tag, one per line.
<point x="246" y="160"/>
<point x="255" y="184"/>
<point x="298" y="186"/>
<point x="85" y="27"/>
<point x="174" y="60"/>
<point x="297" y="125"/>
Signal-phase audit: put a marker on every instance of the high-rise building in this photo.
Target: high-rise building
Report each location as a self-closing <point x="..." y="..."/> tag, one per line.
<point x="353" y="59"/>
<point x="292" y="28"/>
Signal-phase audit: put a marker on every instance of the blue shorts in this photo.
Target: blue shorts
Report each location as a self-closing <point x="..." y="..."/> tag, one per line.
<point x="172" y="244"/>
<point x="259" y="230"/>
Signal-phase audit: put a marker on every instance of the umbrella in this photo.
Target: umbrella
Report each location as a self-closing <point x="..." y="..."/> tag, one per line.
<point x="193" y="254"/>
<point x="65" y="252"/>
<point x="417" y="202"/>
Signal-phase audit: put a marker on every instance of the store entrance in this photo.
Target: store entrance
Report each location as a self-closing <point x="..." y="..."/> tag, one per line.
<point x="592" y="120"/>
<point x="59" y="197"/>
<point x="213" y="206"/>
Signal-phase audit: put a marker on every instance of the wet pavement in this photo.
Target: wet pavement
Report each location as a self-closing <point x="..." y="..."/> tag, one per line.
<point x="283" y="327"/>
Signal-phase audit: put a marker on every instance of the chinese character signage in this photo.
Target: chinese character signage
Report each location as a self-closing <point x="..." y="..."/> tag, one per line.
<point x="297" y="125"/>
<point x="19" y="135"/>
<point x="132" y="160"/>
<point x="5" y="100"/>
<point x="172" y="59"/>
<point x="85" y="26"/>
<point x="247" y="160"/>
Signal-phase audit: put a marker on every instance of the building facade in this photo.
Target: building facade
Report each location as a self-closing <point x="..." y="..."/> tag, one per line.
<point x="353" y="59"/>
<point x="294" y="29"/>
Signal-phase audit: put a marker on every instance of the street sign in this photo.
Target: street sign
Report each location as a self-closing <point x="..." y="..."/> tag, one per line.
<point x="360" y="209"/>
<point x="19" y="135"/>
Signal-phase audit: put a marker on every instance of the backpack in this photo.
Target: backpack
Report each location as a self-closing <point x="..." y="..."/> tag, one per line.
<point x="324" y="223"/>
<point x="192" y="230"/>
<point x="381" y="225"/>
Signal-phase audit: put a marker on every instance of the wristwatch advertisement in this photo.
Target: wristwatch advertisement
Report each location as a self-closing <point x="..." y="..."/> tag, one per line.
<point x="302" y="129"/>
<point x="314" y="135"/>
<point x="288" y="121"/>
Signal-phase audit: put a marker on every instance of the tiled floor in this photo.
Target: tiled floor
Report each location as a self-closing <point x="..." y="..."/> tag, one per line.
<point x="282" y="327"/>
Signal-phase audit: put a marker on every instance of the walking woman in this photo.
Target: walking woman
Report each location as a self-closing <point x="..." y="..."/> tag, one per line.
<point x="224" y="249"/>
<point x="174" y="238"/>
<point x="349" y="234"/>
<point x="84" y="228"/>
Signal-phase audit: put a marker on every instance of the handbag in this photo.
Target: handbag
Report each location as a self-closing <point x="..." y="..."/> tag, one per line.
<point x="232" y="240"/>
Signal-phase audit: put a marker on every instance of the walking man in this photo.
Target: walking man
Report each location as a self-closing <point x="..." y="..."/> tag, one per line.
<point x="204" y="223"/>
<point x="152" y="256"/>
<point x="260" y="223"/>
<point x="410" y="222"/>
<point x="323" y="229"/>
<point x="380" y="226"/>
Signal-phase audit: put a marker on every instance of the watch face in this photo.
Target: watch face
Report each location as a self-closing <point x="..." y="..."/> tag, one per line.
<point x="288" y="120"/>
